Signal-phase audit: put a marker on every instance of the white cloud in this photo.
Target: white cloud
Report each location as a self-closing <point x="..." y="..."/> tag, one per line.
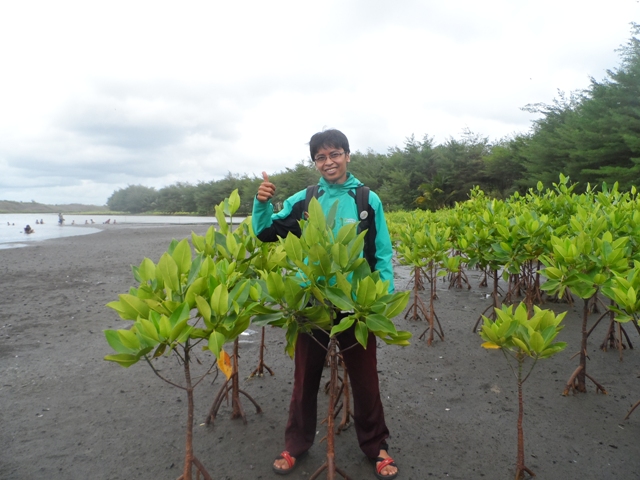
<point x="99" y="95"/>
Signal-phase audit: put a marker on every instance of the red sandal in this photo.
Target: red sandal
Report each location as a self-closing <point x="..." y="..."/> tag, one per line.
<point x="291" y="461"/>
<point x="380" y="464"/>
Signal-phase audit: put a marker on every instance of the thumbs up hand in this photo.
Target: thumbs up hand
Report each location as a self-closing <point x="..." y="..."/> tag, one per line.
<point x="266" y="189"/>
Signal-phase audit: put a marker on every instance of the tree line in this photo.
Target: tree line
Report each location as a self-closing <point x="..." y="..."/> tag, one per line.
<point x="591" y="135"/>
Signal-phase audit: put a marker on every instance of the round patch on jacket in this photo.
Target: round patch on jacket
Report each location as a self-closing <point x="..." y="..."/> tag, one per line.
<point x="364" y="214"/>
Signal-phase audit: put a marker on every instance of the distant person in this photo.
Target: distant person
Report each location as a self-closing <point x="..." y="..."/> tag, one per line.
<point x="8" y="224"/>
<point x="92" y="222"/>
<point x="114" y="221"/>
<point x="107" y="221"/>
<point x="60" y="219"/>
<point x="37" y="222"/>
<point x="41" y="222"/>
<point x="28" y="229"/>
<point x="86" y="222"/>
<point x="73" y="222"/>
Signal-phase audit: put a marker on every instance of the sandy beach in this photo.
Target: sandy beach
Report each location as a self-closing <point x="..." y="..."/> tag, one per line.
<point x="65" y="413"/>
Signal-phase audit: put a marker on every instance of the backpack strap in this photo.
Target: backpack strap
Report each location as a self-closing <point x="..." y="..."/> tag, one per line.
<point x="362" y="202"/>
<point x="312" y="192"/>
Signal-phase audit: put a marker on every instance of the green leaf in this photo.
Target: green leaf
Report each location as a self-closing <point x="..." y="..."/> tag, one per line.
<point x="220" y="300"/>
<point x="180" y="313"/>
<point x="338" y="298"/>
<point x="355" y="249"/>
<point x="167" y="270"/>
<point x="114" y="341"/>
<point x="147" y="270"/>
<point x="123" y="359"/>
<point x="267" y="319"/>
<point x="222" y="219"/>
<point x="379" y="323"/>
<point x="340" y="254"/>
<point x="165" y="327"/>
<point x="347" y="233"/>
<point x="178" y="329"/>
<point x="520" y="344"/>
<point x="196" y="266"/>
<point x="536" y="342"/>
<point x="129" y="340"/>
<point x="293" y="248"/>
<point x="319" y="315"/>
<point x="292" y="338"/>
<point x="148" y="329"/>
<point x="239" y="325"/>
<point x="362" y="334"/>
<point x="366" y="292"/>
<point x="240" y="292"/>
<point x="344" y="324"/>
<point x="275" y="285"/>
<point x="182" y="256"/>
<point x="198" y="242"/>
<point x="204" y="309"/>
<point x="234" y="202"/>
<point x="397" y="304"/>
<point x="160" y="350"/>
<point x="216" y="342"/>
<point x="316" y="215"/>
<point x="197" y="288"/>
<point x="293" y="294"/>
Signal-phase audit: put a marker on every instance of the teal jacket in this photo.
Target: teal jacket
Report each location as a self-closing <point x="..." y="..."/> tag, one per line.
<point x="268" y="226"/>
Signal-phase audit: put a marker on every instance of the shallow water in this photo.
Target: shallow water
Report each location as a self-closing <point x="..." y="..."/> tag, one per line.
<point x="12" y="225"/>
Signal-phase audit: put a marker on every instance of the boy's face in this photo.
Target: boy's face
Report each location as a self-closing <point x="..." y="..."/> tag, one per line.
<point x="332" y="162"/>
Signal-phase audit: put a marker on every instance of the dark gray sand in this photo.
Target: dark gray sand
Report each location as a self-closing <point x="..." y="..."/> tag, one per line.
<point x="65" y="413"/>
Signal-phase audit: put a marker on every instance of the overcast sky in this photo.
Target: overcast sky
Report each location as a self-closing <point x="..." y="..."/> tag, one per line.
<point x="95" y="95"/>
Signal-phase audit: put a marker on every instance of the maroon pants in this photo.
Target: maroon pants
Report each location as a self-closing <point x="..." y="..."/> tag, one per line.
<point x="361" y="364"/>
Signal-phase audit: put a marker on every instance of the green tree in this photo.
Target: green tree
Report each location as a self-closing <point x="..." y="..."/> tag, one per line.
<point x="607" y="129"/>
<point x="179" y="197"/>
<point x="133" y="199"/>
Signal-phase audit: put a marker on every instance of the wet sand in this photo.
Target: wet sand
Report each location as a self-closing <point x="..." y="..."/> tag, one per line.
<point x="451" y="407"/>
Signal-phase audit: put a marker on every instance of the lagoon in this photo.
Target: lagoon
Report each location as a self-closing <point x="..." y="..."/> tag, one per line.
<point x="12" y="225"/>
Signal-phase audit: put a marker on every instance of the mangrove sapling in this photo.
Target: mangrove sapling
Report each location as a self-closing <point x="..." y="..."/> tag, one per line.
<point x="268" y="259"/>
<point x="407" y="250"/>
<point x="428" y="248"/>
<point x="520" y="337"/>
<point x="477" y="244"/>
<point x="325" y="274"/>
<point x="241" y="249"/>
<point x="624" y="290"/>
<point x="456" y="223"/>
<point x="585" y="263"/>
<point x="262" y="366"/>
<point x="518" y="250"/>
<point x="182" y="302"/>
<point x="614" y="333"/>
<point x="417" y="311"/>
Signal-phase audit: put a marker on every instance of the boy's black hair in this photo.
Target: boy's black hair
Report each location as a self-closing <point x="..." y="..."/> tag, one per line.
<point x="328" y="138"/>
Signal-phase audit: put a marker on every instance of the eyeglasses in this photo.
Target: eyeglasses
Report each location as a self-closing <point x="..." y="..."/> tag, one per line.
<point x="332" y="156"/>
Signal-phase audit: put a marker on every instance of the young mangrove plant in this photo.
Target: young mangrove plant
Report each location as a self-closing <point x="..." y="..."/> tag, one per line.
<point x="625" y="292"/>
<point x="427" y="248"/>
<point x="584" y="264"/>
<point x="240" y="248"/>
<point x="520" y="338"/>
<point x="183" y="303"/>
